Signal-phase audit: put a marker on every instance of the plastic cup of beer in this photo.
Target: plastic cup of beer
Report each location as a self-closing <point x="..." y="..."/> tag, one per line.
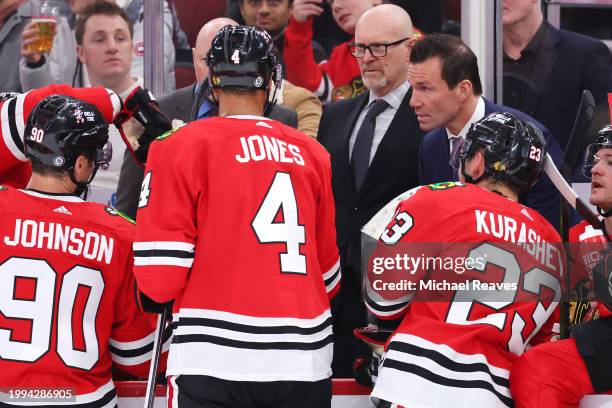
<point x="44" y="15"/>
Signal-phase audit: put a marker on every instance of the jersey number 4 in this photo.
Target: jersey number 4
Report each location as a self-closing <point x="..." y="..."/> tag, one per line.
<point x="38" y="309"/>
<point x="276" y="221"/>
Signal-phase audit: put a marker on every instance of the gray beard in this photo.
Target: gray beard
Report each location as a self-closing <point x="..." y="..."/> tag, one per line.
<point x="375" y="84"/>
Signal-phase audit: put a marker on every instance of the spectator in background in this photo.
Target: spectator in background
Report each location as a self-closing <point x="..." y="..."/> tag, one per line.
<point x="104" y="37"/>
<point x="447" y="98"/>
<point x="546" y="69"/>
<point x="186" y="104"/>
<point x="13" y="19"/>
<point x="373" y="140"/>
<point x="337" y="78"/>
<point x="63" y="66"/>
<point x="273" y="16"/>
<point x="305" y="104"/>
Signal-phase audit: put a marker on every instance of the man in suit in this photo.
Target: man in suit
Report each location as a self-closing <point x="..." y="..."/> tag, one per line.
<point x="546" y="69"/>
<point x="373" y="140"/>
<point x="447" y="99"/>
<point x="185" y="104"/>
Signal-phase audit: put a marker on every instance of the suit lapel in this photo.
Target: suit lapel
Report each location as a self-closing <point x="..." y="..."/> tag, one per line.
<point x="400" y="130"/>
<point x="348" y="124"/>
<point x="549" y="53"/>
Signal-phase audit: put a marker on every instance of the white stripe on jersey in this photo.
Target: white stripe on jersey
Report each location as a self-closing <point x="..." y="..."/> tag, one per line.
<point x="130" y="345"/>
<point x="164" y="245"/>
<point x="90" y="398"/>
<point x="19" y="119"/>
<point x="335" y="274"/>
<point x="238" y="364"/>
<point x="68" y="198"/>
<point x="139" y="358"/>
<point x="7" y="136"/>
<point x="426" y="377"/>
<point x="163" y="253"/>
<point x="384" y="308"/>
<point x="254" y="337"/>
<point x="162" y="261"/>
<point x="252" y="320"/>
<point x="240" y="348"/>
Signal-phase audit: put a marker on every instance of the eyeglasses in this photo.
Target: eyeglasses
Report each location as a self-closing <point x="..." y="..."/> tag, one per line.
<point x="376" y="50"/>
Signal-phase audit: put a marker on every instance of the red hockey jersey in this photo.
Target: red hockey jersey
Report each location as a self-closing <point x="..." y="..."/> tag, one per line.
<point x="67" y="307"/>
<point x="236" y="222"/>
<point x="586" y="256"/>
<point x="464" y="321"/>
<point x="337" y="78"/>
<point x="15" y="169"/>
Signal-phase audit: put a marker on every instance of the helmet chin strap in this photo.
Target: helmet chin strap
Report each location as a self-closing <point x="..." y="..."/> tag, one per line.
<point x="82" y="188"/>
<point x="603" y="213"/>
<point x="470" y="179"/>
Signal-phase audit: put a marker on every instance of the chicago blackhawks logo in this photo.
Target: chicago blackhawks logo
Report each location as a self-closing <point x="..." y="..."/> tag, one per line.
<point x="445" y="185"/>
<point x="78" y="116"/>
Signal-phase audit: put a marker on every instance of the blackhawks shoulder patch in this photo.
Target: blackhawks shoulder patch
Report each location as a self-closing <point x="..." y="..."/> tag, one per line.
<point x="114" y="212"/>
<point x="176" y="125"/>
<point x="445" y="185"/>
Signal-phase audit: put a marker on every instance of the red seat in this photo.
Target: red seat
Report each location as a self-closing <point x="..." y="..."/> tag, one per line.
<point x="184" y="73"/>
<point x="193" y="14"/>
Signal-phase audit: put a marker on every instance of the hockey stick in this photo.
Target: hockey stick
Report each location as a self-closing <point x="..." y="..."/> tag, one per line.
<point x="571" y="156"/>
<point x="569" y="194"/>
<point x="158" y="342"/>
<point x="577" y="139"/>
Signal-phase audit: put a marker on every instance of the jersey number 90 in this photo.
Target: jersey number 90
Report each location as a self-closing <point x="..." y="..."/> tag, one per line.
<point x="39" y="310"/>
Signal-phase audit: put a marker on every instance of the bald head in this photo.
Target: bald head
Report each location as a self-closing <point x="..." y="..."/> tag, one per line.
<point x="386" y="18"/>
<point x="384" y="24"/>
<point x="203" y="42"/>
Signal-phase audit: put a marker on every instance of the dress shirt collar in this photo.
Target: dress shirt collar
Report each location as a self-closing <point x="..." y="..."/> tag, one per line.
<point x="393" y="98"/>
<point x="478" y="114"/>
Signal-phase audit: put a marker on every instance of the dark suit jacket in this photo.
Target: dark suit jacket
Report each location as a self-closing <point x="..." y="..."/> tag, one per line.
<point x="574" y="62"/>
<point x="434" y="167"/>
<point x="176" y="105"/>
<point x="392" y="171"/>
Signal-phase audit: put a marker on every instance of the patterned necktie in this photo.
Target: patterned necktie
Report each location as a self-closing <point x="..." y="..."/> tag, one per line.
<point x="360" y="160"/>
<point x="455" y="144"/>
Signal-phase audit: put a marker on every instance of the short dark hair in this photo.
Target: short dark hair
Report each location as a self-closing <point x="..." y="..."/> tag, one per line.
<point x="458" y="61"/>
<point x="96" y="8"/>
<point x="44" y="170"/>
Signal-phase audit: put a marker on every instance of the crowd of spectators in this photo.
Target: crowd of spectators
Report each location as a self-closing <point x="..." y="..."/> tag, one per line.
<point x="388" y="117"/>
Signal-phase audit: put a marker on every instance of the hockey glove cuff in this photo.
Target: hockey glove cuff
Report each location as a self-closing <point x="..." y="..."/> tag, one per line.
<point x="142" y="106"/>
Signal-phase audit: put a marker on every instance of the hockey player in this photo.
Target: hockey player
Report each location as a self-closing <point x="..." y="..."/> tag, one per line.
<point x="236" y="225"/>
<point x="456" y="347"/>
<point x="67" y="309"/>
<point x="560" y="373"/>
<point x="15" y="169"/>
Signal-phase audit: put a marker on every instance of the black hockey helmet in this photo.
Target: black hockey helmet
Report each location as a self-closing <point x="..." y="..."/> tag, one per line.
<point x="61" y="128"/>
<point x="514" y="151"/>
<point x="603" y="139"/>
<point x="243" y="58"/>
